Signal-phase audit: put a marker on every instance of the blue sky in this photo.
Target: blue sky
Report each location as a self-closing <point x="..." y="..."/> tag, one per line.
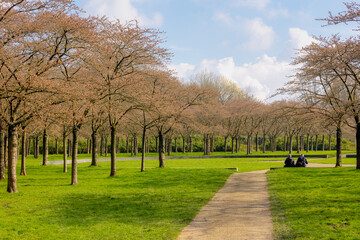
<point x="249" y="41"/>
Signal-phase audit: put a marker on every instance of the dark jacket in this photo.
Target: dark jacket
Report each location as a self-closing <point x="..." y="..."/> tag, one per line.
<point x="301" y="162"/>
<point x="289" y="162"/>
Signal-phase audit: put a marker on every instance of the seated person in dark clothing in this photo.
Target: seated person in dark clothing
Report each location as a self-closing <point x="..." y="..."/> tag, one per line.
<point x="289" y="162"/>
<point x="301" y="162"/>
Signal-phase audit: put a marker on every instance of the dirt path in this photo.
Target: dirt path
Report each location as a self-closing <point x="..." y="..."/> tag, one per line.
<point x="240" y="210"/>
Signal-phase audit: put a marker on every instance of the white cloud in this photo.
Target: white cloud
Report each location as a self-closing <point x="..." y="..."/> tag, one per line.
<point x="275" y="13"/>
<point x="260" y="79"/>
<point x="122" y="10"/>
<point x="183" y="70"/>
<point x="299" y="38"/>
<point x="223" y="17"/>
<point x="257" y="4"/>
<point x="261" y="36"/>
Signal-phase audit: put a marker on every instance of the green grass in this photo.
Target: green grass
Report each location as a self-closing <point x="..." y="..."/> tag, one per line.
<point x="180" y="154"/>
<point x="333" y="161"/>
<point x="156" y="204"/>
<point x="159" y="203"/>
<point x="243" y="164"/>
<point x="315" y="203"/>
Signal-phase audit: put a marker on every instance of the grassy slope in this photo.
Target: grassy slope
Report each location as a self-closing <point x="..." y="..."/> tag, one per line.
<point x="156" y="204"/>
<point x="315" y="203"/>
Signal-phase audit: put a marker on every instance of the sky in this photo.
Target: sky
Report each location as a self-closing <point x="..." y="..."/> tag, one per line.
<point x="251" y="42"/>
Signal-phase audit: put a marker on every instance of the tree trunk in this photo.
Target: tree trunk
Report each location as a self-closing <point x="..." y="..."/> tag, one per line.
<point x="106" y="145"/>
<point x="298" y="143"/>
<point x="285" y="143"/>
<point x="225" y="144"/>
<point x="161" y="150"/>
<point x="251" y="144"/>
<point x="2" y="156"/>
<point x="56" y="146"/>
<point x="91" y="147"/>
<point x="69" y="148"/>
<point x="302" y="142"/>
<point x="34" y="146"/>
<point x="204" y="145"/>
<point x="23" y="154"/>
<point x="64" y="153"/>
<point x="329" y="142"/>
<point x="291" y="144"/>
<point x="236" y="144"/>
<point x="232" y="145"/>
<point x="143" y="150"/>
<point x="312" y="143"/>
<point x="12" y="158"/>
<point x="94" y="160"/>
<point x="113" y="152"/>
<point x="74" y="180"/>
<point x="132" y="147"/>
<point x="264" y="143"/>
<point x="176" y="145"/>
<point x="6" y="150"/>
<point x="127" y="144"/>
<point x="45" y="148"/>
<point x="338" y="146"/>
<point x="207" y="144"/>
<point x="191" y="144"/>
<point x="37" y="147"/>
<point x="316" y="143"/>
<point x="257" y="142"/>
<point x="308" y="143"/>
<point x="323" y="143"/>
<point x="212" y="144"/>
<point x="249" y="147"/>
<point x="169" y="146"/>
<point x="184" y="144"/>
<point x="357" y="121"/>
<point x="157" y="143"/>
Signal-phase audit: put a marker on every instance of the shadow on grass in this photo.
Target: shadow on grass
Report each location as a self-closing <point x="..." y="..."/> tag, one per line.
<point x="164" y="201"/>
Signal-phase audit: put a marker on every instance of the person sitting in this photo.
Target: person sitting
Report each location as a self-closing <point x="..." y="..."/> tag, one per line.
<point x="289" y="162"/>
<point x="301" y="161"/>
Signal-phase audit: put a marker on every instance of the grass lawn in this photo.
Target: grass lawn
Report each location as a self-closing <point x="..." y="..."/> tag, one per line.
<point x="333" y="161"/>
<point x="156" y="204"/>
<point x="315" y="203"/>
<point x="180" y="154"/>
<point x="243" y="164"/>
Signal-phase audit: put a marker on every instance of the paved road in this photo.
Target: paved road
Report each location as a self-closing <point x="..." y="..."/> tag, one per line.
<point x="240" y="210"/>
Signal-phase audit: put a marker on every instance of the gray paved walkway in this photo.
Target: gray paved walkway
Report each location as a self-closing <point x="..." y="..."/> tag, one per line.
<point x="240" y="210"/>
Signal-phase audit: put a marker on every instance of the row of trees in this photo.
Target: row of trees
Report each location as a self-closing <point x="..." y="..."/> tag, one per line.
<point x="62" y="74"/>
<point x="59" y="68"/>
<point x="131" y="144"/>
<point x="327" y="78"/>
